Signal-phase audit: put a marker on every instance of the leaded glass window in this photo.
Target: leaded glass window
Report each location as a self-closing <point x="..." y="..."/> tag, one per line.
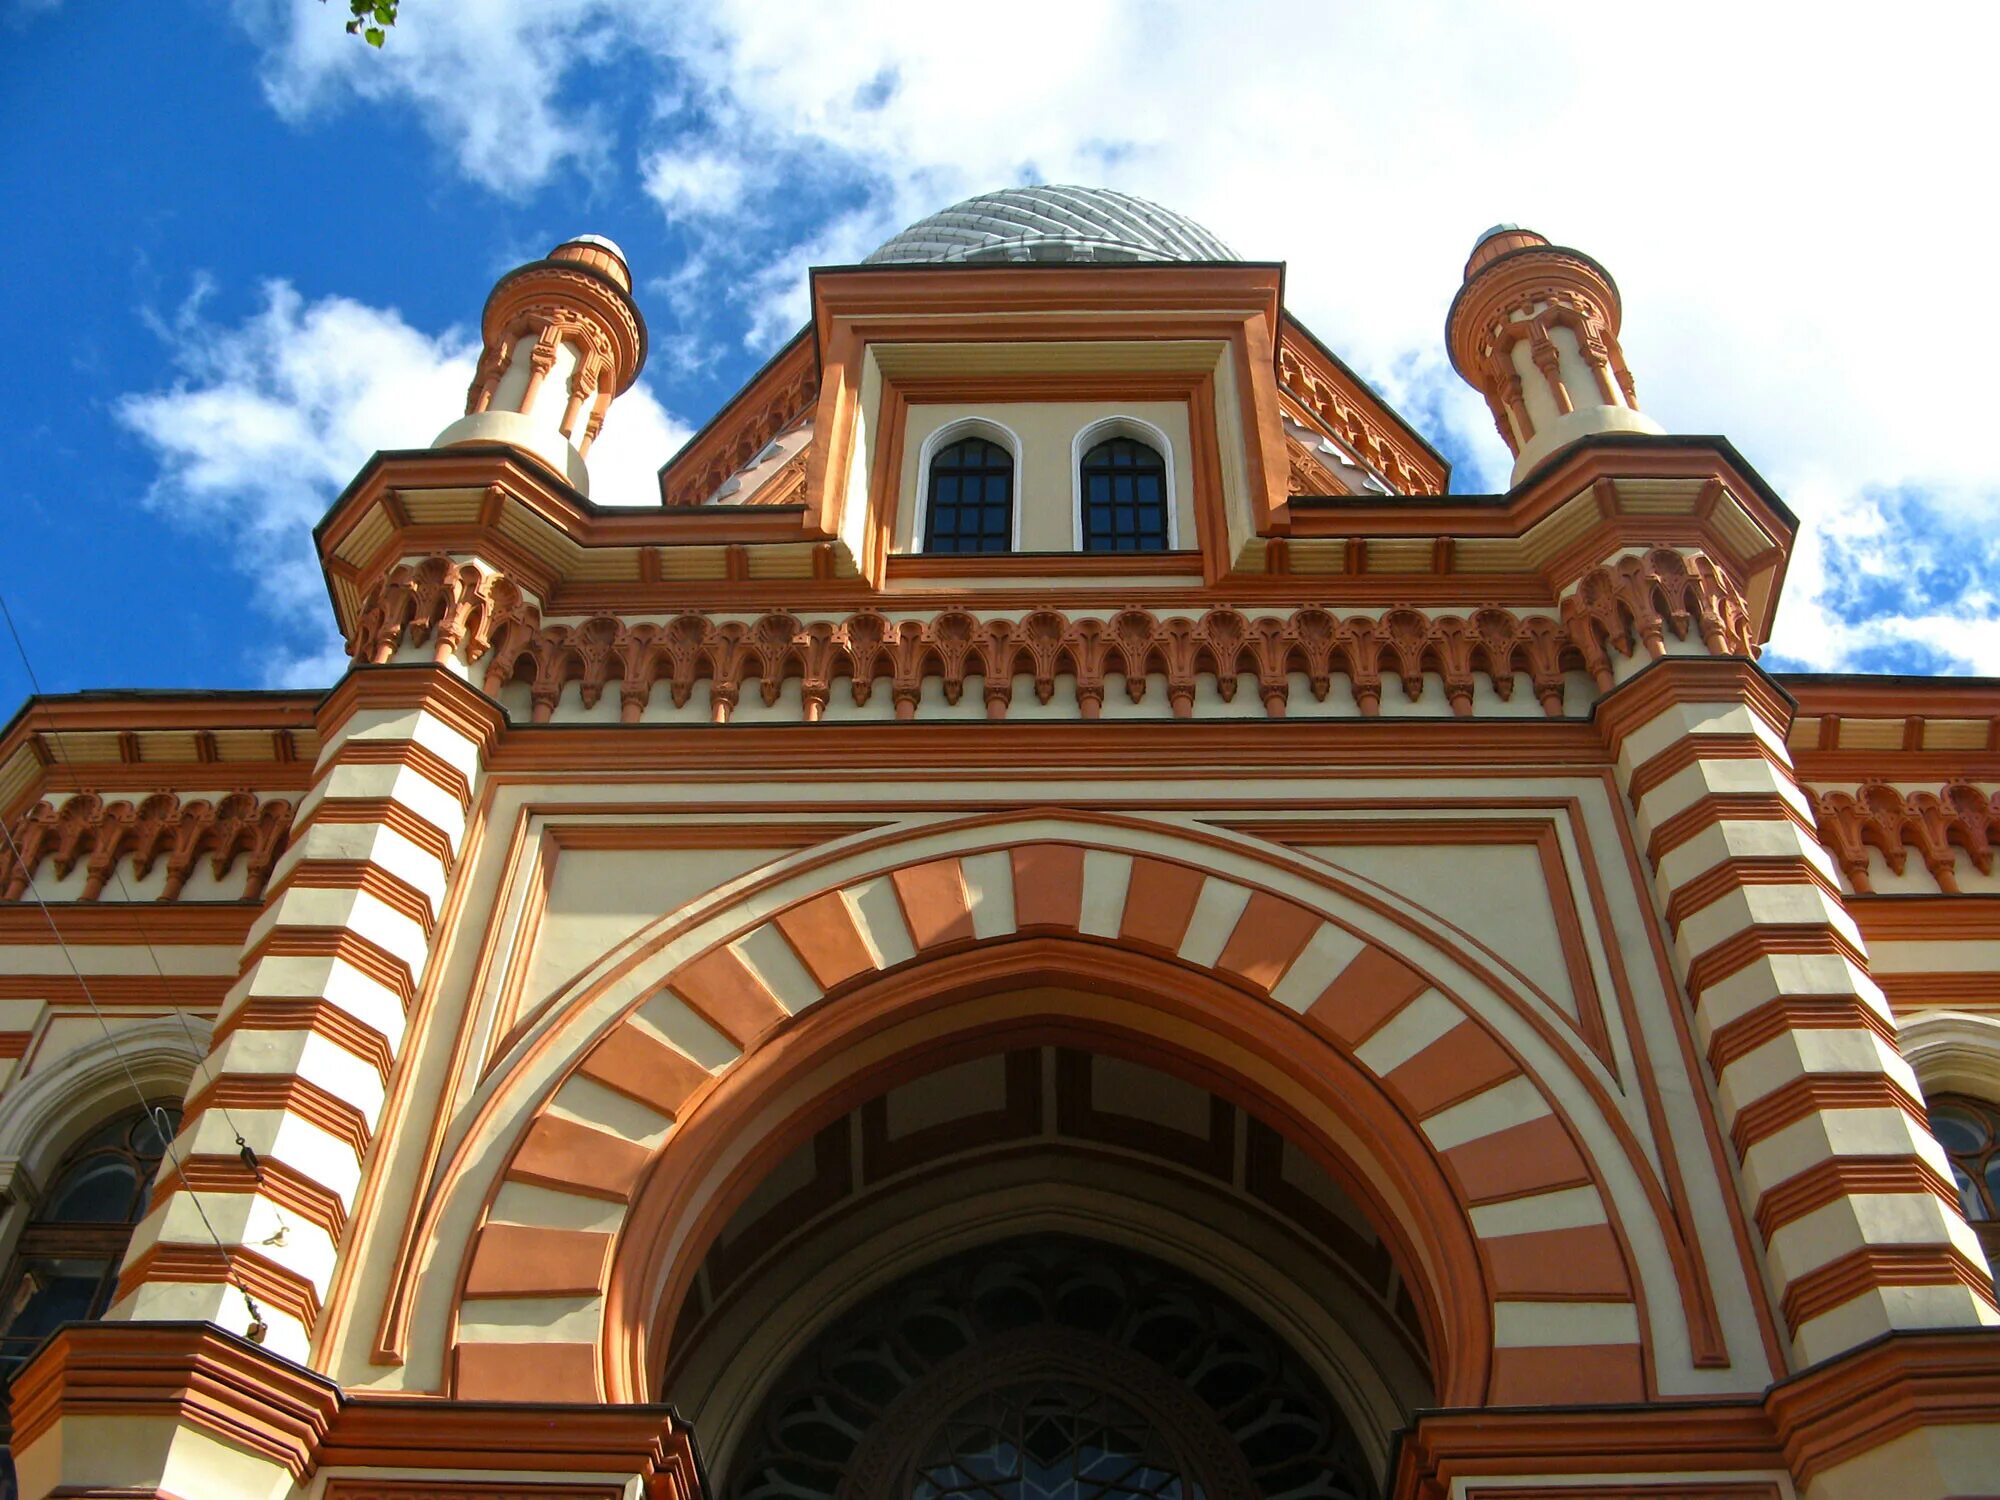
<point x="1048" y="1369"/>
<point x="1969" y="1131"/>
<point x="970" y="501"/>
<point x="1123" y="483"/>
<point x="1053" y="1440"/>
<point x="66" y="1265"/>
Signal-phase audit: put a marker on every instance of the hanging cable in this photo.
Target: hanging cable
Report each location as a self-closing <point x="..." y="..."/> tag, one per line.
<point x="258" y="1328"/>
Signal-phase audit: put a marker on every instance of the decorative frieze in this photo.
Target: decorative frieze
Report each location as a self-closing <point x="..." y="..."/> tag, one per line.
<point x="1937" y="825"/>
<point x="161" y="828"/>
<point x="1617" y="609"/>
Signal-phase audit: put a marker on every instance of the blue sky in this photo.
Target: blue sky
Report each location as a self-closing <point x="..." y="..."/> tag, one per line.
<point x="247" y="251"/>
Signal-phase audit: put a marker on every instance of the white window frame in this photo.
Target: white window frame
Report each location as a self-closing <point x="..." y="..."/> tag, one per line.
<point x="1103" y="429"/>
<point x="944" y="437"/>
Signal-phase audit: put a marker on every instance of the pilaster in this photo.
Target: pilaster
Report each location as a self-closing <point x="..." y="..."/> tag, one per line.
<point x="308" y="1036"/>
<point x="1835" y="1160"/>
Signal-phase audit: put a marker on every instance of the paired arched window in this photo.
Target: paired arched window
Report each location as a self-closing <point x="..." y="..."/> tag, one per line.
<point x="1124" y="488"/>
<point x="66" y="1264"/>
<point x="970" y="498"/>
<point x="1122" y="498"/>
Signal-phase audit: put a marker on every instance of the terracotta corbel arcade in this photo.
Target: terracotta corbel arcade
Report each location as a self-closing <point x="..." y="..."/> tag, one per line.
<point x="1065" y="911"/>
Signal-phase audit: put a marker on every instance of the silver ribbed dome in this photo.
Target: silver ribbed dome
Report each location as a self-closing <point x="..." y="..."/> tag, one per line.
<point x="1053" y="223"/>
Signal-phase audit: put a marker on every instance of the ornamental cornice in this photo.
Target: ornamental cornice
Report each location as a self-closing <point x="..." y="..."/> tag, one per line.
<point x="1627" y="606"/>
<point x="1937" y="826"/>
<point x="85" y="829"/>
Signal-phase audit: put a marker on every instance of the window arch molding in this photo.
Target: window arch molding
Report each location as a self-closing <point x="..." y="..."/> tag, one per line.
<point x="944" y="437"/>
<point x="1953" y="1052"/>
<point x="1103" y="430"/>
<point x="54" y="1107"/>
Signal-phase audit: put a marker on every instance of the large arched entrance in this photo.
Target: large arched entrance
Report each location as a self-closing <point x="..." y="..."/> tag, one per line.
<point x="964" y="1256"/>
<point x="1373" y="1078"/>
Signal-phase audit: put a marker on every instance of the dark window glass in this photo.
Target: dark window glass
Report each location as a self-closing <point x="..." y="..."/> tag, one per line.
<point x="1124" y="498"/>
<point x="66" y="1265"/>
<point x="971" y="506"/>
<point x="1969" y="1131"/>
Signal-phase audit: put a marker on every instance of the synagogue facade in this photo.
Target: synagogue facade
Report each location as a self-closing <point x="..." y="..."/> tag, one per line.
<point x="1061" y="919"/>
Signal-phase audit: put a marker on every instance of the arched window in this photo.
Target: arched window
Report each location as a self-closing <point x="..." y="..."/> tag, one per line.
<point x="1969" y="1131"/>
<point x="1122" y="495"/>
<point x="66" y="1264"/>
<point x="970" y="498"/>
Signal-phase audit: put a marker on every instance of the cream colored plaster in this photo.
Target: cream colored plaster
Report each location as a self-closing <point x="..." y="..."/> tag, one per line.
<point x="276" y="1135"/>
<point x="306" y="1055"/>
<point x="530" y="1320"/>
<point x="1932" y="1463"/>
<point x="1330" y="949"/>
<point x="989" y="885"/>
<point x="357" y="911"/>
<point x="947" y="1096"/>
<point x="1679" y="721"/>
<point x="1216" y="912"/>
<point x="369" y="843"/>
<point x="668" y="1018"/>
<point x="211" y="1302"/>
<point x="305" y="977"/>
<point x="1392" y="925"/>
<point x="145" y="1455"/>
<point x="1772" y="975"/>
<point x="1961" y="956"/>
<point x="92" y="959"/>
<point x="1105" y="878"/>
<point x="1792" y="1055"/>
<point x="1814" y="1138"/>
<point x="1741" y="838"/>
<point x="1546" y="1325"/>
<point x="1495" y="892"/>
<point x="1718" y="778"/>
<point x="1744" y="906"/>
<point x="1514" y="1102"/>
<point x="1567" y="1208"/>
<point x="882" y="923"/>
<point x="524" y="1203"/>
<point x="1883" y="1310"/>
<point x="766" y="954"/>
<point x="591" y="1103"/>
<point x="1860" y="1221"/>
<point x="1426" y="1019"/>
<point x="599" y="897"/>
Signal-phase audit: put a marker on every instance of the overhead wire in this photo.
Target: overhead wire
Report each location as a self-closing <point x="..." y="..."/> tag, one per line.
<point x="155" y="1113"/>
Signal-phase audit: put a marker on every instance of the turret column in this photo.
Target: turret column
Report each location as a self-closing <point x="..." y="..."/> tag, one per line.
<point x="1535" y="330"/>
<point x="561" y="335"/>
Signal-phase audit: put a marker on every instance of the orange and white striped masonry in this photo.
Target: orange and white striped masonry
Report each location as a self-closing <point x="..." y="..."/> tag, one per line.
<point x="1836" y="1161"/>
<point x="309" y="1033"/>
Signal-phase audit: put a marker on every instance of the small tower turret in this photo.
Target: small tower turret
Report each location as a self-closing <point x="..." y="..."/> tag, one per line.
<point x="1534" y="329"/>
<point x="562" y="338"/>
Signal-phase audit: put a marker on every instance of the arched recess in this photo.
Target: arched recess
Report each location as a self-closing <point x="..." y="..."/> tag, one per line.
<point x="51" y="1109"/>
<point x="944" y="437"/>
<point x="1953" y="1052"/>
<point x="700" y="1052"/>
<point x="1121" y="425"/>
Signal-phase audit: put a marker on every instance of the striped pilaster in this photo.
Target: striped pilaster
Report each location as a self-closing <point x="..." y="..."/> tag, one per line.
<point x="308" y="1035"/>
<point x="1850" y="1191"/>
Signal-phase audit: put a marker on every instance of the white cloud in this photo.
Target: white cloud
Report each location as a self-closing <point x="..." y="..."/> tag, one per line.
<point x="270" y="418"/>
<point x="704" y="184"/>
<point x="1786" y="202"/>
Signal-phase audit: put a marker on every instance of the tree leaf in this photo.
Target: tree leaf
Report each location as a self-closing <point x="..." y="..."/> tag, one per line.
<point x="376" y="36"/>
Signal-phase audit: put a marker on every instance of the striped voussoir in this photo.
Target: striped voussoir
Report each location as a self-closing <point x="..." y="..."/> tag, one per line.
<point x="310" y="1031"/>
<point x="1563" y="1307"/>
<point x="1850" y="1191"/>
